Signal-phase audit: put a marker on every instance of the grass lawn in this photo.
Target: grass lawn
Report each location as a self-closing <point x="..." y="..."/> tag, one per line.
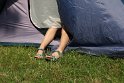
<point x="17" y="65"/>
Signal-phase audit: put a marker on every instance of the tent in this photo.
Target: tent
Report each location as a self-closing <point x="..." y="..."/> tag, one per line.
<point x="16" y="27"/>
<point x="2" y="3"/>
<point x="96" y="26"/>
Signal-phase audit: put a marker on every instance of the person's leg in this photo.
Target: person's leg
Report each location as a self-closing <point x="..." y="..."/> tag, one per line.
<point x="49" y="36"/>
<point x="63" y="43"/>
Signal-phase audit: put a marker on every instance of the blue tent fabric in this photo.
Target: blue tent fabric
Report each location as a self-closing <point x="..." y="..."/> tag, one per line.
<point x="96" y="26"/>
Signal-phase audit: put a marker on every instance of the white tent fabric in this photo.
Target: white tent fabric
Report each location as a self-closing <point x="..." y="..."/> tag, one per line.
<point x="43" y="12"/>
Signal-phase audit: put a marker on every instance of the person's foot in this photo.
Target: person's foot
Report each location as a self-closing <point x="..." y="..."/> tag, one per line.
<point x="54" y="55"/>
<point x="40" y="54"/>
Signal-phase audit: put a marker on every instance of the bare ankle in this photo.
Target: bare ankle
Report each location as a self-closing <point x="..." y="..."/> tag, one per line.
<point x="40" y="50"/>
<point x="59" y="50"/>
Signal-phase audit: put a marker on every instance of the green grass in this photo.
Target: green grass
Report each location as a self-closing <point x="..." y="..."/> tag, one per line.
<point x="17" y="65"/>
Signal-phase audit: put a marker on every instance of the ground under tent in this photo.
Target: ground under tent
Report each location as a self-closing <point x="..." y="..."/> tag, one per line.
<point x="95" y="26"/>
